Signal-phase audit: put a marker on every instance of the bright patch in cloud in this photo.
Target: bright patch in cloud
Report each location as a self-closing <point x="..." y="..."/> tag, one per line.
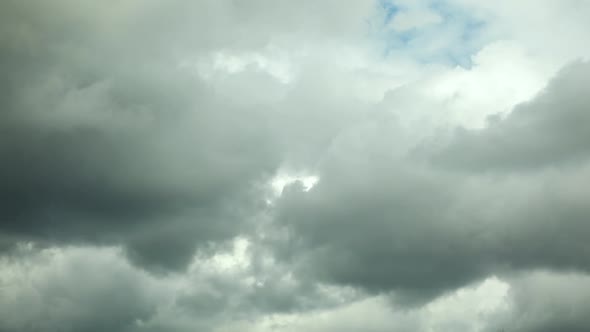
<point x="283" y="180"/>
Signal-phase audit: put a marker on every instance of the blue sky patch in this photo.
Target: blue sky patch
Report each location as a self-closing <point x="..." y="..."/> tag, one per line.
<point x="453" y="41"/>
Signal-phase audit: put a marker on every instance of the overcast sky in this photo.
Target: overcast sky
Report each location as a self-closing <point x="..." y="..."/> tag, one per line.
<point x="283" y="165"/>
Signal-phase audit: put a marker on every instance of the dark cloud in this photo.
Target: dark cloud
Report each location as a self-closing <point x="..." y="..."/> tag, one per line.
<point x="384" y="226"/>
<point x="106" y="138"/>
<point x="386" y="221"/>
<point x="156" y="127"/>
<point x="99" y="146"/>
<point x="551" y="130"/>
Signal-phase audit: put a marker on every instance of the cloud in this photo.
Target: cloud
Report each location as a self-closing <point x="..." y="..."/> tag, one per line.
<point x="562" y="306"/>
<point x="468" y="309"/>
<point x="43" y="291"/>
<point x="547" y="131"/>
<point x="102" y="145"/>
<point x="107" y="138"/>
<point x="272" y="165"/>
<point x="385" y="220"/>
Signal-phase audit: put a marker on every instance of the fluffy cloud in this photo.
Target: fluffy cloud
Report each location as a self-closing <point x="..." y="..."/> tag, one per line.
<point x="62" y="290"/>
<point x="389" y="220"/>
<point x="548" y="131"/>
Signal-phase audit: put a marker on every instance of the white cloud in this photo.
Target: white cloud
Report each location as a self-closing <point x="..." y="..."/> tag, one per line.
<point x="283" y="180"/>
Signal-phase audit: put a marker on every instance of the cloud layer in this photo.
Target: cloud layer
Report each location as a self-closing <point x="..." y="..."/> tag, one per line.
<point x="280" y="166"/>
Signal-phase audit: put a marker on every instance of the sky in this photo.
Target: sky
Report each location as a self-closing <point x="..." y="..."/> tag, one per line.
<point x="277" y="165"/>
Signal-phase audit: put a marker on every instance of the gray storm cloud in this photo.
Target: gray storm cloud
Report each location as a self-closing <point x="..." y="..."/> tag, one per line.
<point x="387" y="222"/>
<point x="139" y="142"/>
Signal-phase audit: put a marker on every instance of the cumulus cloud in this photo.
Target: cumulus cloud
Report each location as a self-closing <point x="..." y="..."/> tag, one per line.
<point x="276" y="165"/>
<point x="106" y="140"/>
<point x="386" y="220"/>
<point x="62" y="290"/>
<point x="549" y="130"/>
